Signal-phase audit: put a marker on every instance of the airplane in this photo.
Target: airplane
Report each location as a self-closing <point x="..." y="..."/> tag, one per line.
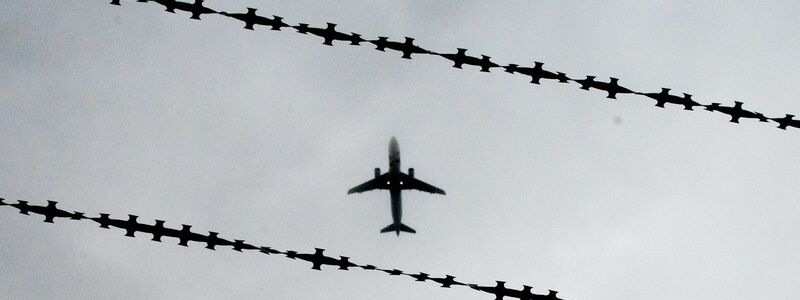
<point x="788" y="120"/>
<point x="736" y="112"/>
<point x="664" y="97"/>
<point x="330" y="34"/>
<point x="250" y="18"/>
<point x="612" y="87"/>
<point x="395" y="181"/>
<point x="407" y="47"/>
<point x="459" y="58"/>
<point x="537" y="73"/>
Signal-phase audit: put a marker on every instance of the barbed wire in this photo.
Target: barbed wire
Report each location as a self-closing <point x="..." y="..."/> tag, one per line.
<point x="460" y="58"/>
<point x="212" y="240"/>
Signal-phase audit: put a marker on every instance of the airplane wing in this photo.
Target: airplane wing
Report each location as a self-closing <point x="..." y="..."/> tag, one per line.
<point x="372" y="184"/>
<point x="411" y="183"/>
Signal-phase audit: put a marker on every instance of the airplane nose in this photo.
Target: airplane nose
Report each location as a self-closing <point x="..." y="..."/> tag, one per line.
<point x="393" y="146"/>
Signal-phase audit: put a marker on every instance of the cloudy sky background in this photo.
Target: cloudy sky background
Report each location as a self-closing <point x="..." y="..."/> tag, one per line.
<point x="259" y="134"/>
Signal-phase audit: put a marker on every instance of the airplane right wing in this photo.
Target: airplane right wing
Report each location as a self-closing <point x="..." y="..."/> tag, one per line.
<point x="416" y="184"/>
<point x="372" y="184"/>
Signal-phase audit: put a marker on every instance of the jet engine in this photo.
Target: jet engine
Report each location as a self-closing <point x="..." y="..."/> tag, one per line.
<point x="377" y="172"/>
<point x="411" y="172"/>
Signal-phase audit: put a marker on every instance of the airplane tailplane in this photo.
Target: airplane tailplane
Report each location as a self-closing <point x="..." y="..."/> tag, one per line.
<point x="395" y="228"/>
<point x="405" y="228"/>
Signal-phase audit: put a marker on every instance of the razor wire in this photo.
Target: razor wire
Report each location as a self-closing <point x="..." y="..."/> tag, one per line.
<point x="460" y="58"/>
<point x="212" y="240"/>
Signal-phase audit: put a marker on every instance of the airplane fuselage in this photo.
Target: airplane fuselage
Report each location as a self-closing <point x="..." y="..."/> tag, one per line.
<point x="396" y="181"/>
<point x="395" y="184"/>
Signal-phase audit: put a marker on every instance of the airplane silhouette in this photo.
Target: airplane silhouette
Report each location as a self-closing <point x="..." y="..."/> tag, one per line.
<point x="611" y="87"/>
<point x="447" y="281"/>
<point x="664" y="97"/>
<point x="330" y="34"/>
<point x="407" y="47"/>
<point x="195" y="8"/>
<point x="250" y="18"/>
<point x="318" y="259"/>
<point x="50" y="212"/>
<point x="736" y="112"/>
<point x="460" y="58"/>
<point x="788" y="120"/>
<point x="537" y="73"/>
<point x="395" y="181"/>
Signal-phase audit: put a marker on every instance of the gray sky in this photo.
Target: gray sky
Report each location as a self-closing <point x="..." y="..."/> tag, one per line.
<point x="259" y="134"/>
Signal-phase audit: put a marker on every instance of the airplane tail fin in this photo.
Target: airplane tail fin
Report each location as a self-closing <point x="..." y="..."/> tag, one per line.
<point x="396" y="228"/>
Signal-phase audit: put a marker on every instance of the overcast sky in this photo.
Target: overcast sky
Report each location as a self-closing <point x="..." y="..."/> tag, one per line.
<point x="259" y="134"/>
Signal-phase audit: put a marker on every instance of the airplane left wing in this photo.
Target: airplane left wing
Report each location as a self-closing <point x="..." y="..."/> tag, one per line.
<point x="372" y="184"/>
<point x="411" y="183"/>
